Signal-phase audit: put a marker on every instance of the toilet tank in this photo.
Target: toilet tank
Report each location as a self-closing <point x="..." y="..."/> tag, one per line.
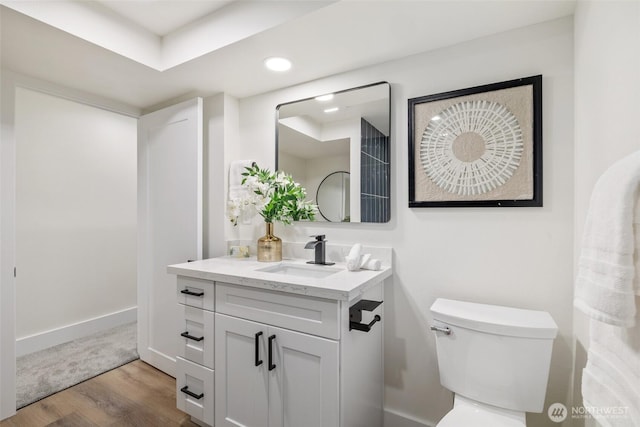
<point x="494" y="354"/>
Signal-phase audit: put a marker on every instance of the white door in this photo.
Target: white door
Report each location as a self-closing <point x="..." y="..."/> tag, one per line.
<point x="241" y="366"/>
<point x="303" y="380"/>
<point x="169" y="221"/>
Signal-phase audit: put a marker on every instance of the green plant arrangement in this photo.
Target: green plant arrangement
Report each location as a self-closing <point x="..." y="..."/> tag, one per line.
<point x="274" y="195"/>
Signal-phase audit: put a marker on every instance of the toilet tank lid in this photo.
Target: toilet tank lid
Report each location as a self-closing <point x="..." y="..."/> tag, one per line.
<point x="495" y="319"/>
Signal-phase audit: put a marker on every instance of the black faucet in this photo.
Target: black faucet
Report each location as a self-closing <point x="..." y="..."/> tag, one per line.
<point x="319" y="245"/>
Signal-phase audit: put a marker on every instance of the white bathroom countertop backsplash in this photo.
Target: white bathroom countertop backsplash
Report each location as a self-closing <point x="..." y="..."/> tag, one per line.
<point x="334" y="252"/>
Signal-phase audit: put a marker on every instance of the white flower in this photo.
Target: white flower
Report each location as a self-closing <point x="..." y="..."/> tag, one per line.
<point x="264" y="188"/>
<point x="251" y="182"/>
<point x="275" y="196"/>
<point x="281" y="177"/>
<point x="234" y="207"/>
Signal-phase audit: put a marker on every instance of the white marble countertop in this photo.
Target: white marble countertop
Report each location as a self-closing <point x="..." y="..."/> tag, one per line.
<point x="344" y="285"/>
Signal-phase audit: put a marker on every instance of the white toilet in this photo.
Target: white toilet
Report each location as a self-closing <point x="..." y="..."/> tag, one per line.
<point x="495" y="359"/>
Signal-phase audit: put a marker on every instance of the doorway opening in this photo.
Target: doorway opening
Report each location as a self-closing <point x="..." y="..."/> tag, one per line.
<point x="76" y="219"/>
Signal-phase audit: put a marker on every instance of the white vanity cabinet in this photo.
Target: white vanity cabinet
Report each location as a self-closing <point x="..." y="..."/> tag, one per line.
<point x="195" y="358"/>
<point x="283" y="352"/>
<point x="269" y="374"/>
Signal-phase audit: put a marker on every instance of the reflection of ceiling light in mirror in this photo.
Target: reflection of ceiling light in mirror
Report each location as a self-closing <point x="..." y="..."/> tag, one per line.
<point x="331" y="110"/>
<point x="323" y="98"/>
<point x="435" y="118"/>
<point x="277" y="64"/>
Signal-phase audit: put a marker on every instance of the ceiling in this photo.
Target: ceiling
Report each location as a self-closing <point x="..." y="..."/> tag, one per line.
<point x="163" y="17"/>
<point x="145" y="52"/>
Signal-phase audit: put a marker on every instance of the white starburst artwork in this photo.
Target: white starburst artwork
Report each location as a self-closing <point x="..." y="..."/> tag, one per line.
<point x="471" y="147"/>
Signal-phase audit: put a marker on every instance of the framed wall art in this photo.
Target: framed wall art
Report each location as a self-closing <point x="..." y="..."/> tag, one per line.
<point x="480" y="146"/>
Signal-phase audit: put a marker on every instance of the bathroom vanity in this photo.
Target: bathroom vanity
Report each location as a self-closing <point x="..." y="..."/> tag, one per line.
<point x="275" y="344"/>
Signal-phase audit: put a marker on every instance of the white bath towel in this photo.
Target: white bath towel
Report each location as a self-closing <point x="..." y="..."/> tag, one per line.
<point x="605" y="280"/>
<point x="611" y="379"/>
<point x="636" y="255"/>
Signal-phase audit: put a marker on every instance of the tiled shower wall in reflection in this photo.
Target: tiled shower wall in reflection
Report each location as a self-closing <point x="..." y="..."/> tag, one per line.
<point x="374" y="174"/>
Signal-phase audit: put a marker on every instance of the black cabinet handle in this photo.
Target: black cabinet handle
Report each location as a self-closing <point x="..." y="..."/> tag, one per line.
<point x="257" y="346"/>
<point x="271" y="365"/>
<point x="186" y="390"/>
<point x="191" y="337"/>
<point x="188" y="292"/>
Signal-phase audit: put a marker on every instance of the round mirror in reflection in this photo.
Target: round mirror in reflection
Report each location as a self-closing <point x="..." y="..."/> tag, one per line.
<point x="333" y="197"/>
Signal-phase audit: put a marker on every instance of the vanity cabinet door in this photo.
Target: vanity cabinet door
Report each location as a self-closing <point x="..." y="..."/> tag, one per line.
<point x="241" y="387"/>
<point x="303" y="381"/>
<point x="274" y="377"/>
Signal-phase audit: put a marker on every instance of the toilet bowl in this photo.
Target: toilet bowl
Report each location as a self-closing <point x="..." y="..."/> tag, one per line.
<point x="494" y="359"/>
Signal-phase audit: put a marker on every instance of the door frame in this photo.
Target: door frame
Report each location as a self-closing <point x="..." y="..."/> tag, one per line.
<point x="10" y="81"/>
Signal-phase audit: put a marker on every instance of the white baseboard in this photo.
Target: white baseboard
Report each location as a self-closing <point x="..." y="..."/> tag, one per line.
<point x="158" y="360"/>
<point x="40" y="341"/>
<point x="396" y="419"/>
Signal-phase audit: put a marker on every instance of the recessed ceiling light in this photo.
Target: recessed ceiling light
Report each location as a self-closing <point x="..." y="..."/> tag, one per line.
<point x="436" y="118"/>
<point x="323" y="98"/>
<point x="331" y="110"/>
<point x="277" y="64"/>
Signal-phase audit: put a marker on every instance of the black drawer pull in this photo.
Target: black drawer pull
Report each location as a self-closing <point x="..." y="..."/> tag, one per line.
<point x="186" y="390"/>
<point x="194" y="294"/>
<point x="258" y="362"/>
<point x="191" y="337"/>
<point x="272" y="366"/>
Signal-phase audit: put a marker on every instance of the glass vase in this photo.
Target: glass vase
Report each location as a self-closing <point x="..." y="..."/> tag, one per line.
<point x="269" y="246"/>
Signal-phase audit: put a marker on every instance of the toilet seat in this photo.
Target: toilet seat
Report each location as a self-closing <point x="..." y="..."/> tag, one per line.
<point x="469" y="413"/>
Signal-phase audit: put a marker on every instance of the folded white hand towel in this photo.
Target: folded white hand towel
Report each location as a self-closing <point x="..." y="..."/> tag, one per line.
<point x="364" y="259"/>
<point x="353" y="260"/>
<point x="604" y="283"/>
<point x="236" y="169"/>
<point x="236" y="206"/>
<point x="356" y="251"/>
<point x="372" y="264"/>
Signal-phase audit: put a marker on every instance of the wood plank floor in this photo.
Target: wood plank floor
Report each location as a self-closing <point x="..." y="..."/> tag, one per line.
<point x="135" y="394"/>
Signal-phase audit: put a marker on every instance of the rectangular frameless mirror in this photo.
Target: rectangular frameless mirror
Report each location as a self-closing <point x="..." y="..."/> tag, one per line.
<point x="337" y="146"/>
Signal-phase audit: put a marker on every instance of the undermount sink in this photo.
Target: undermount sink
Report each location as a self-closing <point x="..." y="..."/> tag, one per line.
<point x="301" y="270"/>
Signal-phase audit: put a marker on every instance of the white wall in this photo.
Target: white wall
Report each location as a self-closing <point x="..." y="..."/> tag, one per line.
<point x="11" y="82"/>
<point x="607" y="90"/>
<point x="75" y="212"/>
<point x="318" y="169"/>
<point x="513" y="256"/>
<point x="220" y="125"/>
<point x="297" y="167"/>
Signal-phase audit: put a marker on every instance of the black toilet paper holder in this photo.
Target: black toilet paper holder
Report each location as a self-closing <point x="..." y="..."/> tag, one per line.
<point x="355" y="314"/>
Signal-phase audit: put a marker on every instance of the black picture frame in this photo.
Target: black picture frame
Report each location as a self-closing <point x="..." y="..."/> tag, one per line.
<point x="492" y="127"/>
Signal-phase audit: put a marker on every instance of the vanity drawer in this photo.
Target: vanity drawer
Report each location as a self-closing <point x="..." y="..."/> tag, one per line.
<point x="196" y="292"/>
<point x="194" y="390"/>
<point x="317" y="316"/>
<point x="196" y="341"/>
